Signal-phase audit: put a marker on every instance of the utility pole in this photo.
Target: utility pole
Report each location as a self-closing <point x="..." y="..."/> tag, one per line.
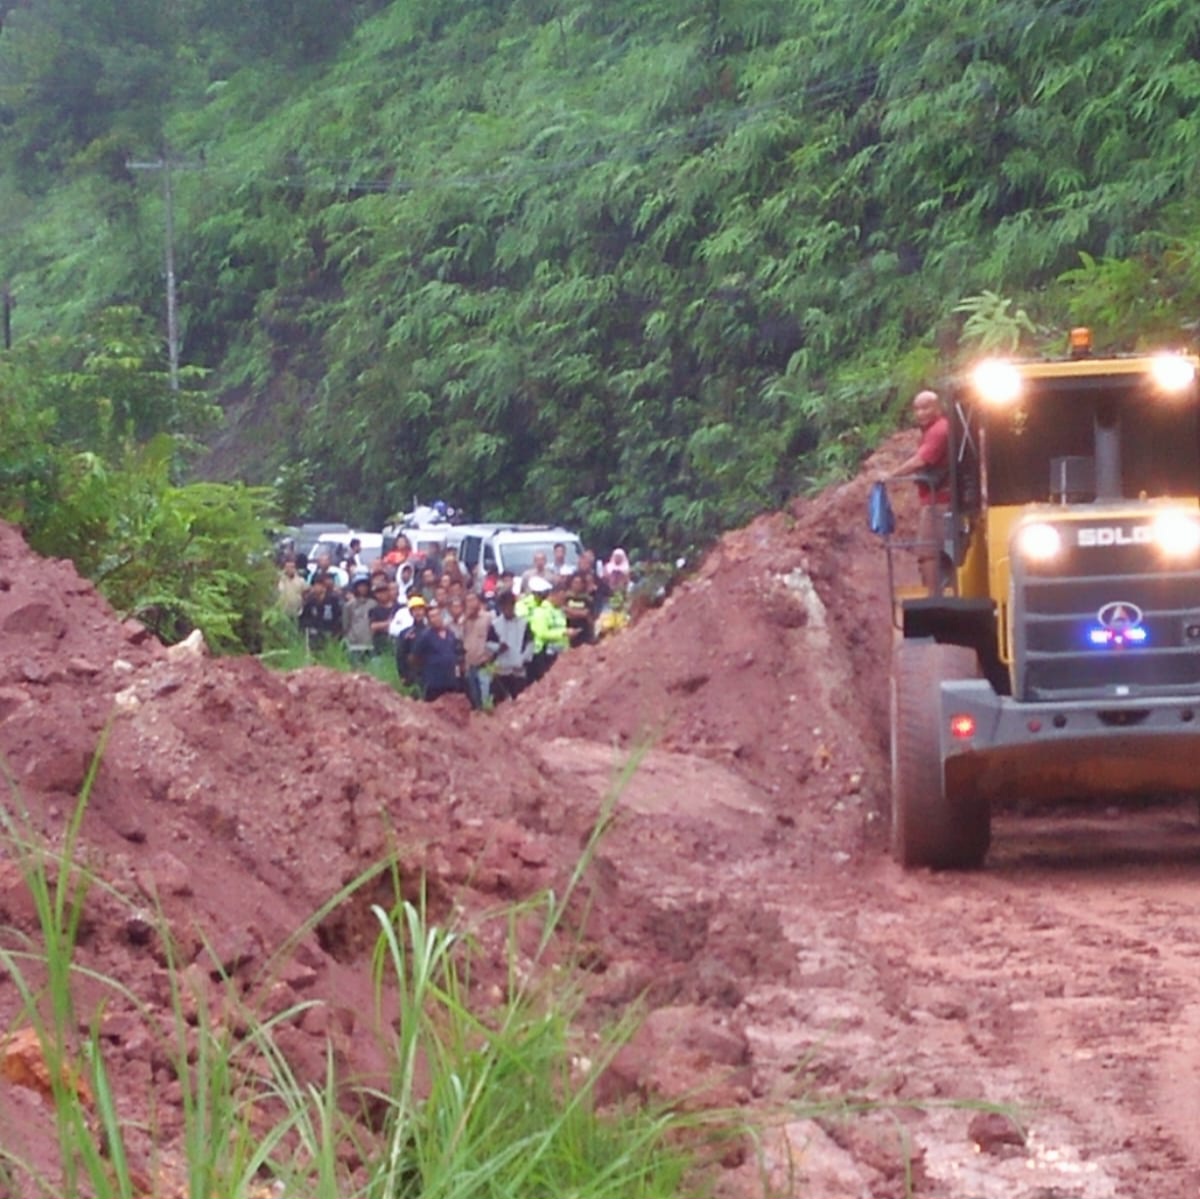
<point x="172" y="306"/>
<point x="164" y="164"/>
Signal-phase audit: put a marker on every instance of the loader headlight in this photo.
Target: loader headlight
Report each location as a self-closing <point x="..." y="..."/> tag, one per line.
<point x="1038" y="542"/>
<point x="1173" y="372"/>
<point x="1177" y="534"/>
<point x="997" y="383"/>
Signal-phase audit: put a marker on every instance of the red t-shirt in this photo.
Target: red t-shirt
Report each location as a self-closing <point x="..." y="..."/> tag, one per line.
<point x="934" y="451"/>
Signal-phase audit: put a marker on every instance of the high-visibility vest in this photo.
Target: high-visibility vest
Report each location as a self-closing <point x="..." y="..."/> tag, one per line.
<point x="548" y="625"/>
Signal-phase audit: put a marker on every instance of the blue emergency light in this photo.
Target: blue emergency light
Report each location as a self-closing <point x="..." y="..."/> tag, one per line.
<point x="1103" y="637"/>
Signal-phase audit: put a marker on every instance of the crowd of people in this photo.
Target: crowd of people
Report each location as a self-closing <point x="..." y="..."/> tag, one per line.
<point x="487" y="634"/>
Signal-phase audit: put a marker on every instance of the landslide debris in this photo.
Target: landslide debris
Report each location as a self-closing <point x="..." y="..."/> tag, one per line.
<point x="738" y="731"/>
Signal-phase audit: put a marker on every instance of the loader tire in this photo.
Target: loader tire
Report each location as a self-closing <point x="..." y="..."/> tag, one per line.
<point x="929" y="827"/>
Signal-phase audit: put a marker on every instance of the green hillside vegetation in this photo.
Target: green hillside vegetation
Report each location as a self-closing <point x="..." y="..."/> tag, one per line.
<point x="644" y="268"/>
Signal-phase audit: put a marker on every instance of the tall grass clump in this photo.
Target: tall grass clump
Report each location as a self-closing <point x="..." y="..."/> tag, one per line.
<point x="510" y="1109"/>
<point x="492" y="1103"/>
<point x="74" y="1068"/>
<point x="476" y="1101"/>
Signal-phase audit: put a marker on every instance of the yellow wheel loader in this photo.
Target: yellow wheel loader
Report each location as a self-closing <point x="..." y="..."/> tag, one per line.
<point x="1062" y="659"/>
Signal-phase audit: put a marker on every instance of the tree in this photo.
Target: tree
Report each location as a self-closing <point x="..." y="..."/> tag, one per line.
<point x="88" y="466"/>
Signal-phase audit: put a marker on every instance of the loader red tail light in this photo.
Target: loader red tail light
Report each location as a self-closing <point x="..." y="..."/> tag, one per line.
<point x="962" y="726"/>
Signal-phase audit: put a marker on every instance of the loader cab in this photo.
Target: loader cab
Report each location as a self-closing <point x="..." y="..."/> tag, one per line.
<point x="1048" y="457"/>
<point x="1085" y="431"/>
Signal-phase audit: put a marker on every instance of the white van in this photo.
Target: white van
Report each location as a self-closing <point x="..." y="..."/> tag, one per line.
<point x="512" y="547"/>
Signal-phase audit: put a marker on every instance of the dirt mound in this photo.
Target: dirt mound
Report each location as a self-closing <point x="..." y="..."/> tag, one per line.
<point x="239" y="802"/>
<point x="770" y="659"/>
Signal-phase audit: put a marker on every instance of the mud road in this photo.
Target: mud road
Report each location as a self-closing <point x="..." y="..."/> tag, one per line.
<point x="1059" y="984"/>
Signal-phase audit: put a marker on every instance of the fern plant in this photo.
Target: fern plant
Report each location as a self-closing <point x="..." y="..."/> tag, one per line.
<point x="993" y="324"/>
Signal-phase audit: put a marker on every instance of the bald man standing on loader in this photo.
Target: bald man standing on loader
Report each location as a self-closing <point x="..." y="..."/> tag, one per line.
<point x="930" y="466"/>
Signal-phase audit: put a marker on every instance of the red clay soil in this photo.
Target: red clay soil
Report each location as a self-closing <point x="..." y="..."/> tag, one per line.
<point x="866" y="1019"/>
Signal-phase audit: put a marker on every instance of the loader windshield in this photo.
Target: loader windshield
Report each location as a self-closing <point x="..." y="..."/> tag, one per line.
<point x="1058" y="425"/>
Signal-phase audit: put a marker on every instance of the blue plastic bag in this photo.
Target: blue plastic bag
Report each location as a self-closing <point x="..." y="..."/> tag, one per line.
<point x="879" y="511"/>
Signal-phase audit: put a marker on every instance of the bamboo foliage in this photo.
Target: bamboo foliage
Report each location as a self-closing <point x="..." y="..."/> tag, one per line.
<point x="649" y="267"/>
